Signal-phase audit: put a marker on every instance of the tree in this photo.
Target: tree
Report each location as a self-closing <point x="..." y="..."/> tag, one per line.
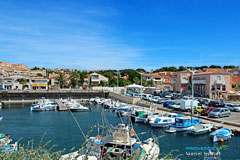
<point x="229" y="67"/>
<point x="22" y="81"/>
<point x="74" y="79"/>
<point x="39" y="75"/>
<point x="150" y="83"/>
<point x="61" y="80"/>
<point x="35" y="68"/>
<point x="181" y="68"/>
<point x="215" y="66"/>
<point x="140" y="70"/>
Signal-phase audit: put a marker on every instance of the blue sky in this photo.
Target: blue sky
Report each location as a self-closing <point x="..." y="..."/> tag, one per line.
<point x="118" y="34"/>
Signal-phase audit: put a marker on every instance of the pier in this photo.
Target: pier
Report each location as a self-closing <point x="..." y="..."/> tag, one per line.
<point x="61" y="106"/>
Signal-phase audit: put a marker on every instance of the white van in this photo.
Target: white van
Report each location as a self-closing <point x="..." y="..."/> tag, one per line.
<point x="187" y="104"/>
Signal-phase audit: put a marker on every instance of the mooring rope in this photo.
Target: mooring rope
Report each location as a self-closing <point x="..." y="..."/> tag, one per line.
<point x="77" y="124"/>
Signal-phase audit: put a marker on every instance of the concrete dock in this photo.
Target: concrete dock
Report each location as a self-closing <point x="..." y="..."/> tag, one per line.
<point x="61" y="106"/>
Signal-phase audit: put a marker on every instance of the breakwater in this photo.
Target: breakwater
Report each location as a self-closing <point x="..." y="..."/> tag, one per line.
<point x="11" y="96"/>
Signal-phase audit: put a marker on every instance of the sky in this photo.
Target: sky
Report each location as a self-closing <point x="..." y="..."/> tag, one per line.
<point x="120" y="34"/>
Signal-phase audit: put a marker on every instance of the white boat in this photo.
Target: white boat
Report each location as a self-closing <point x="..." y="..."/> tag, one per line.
<point x="1" y="118"/>
<point x="165" y="120"/>
<point x="43" y="105"/>
<point x="79" y="108"/>
<point x="200" y="129"/>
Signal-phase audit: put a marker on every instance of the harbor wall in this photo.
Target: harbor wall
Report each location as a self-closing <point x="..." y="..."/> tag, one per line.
<point x="123" y="98"/>
<point x="29" y="96"/>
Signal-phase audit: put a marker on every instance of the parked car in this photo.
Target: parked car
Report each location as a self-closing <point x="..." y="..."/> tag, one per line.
<point x="199" y="109"/>
<point x="167" y="104"/>
<point x="206" y="111"/>
<point x="176" y="96"/>
<point x="233" y="107"/>
<point x="155" y="99"/>
<point x="176" y="106"/>
<point x="219" y="112"/>
<point x="215" y="104"/>
<point x="162" y="100"/>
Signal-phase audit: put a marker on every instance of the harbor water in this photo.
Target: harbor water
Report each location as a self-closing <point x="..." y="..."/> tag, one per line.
<point x="59" y="127"/>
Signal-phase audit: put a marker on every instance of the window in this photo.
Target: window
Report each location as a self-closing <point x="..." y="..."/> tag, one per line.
<point x="213" y="87"/>
<point x="224" y="87"/>
<point x="218" y="87"/>
<point x="218" y="77"/>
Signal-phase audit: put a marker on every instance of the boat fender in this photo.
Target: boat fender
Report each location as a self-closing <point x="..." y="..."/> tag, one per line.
<point x="221" y="140"/>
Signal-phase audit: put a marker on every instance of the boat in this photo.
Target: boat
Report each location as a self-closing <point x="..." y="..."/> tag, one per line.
<point x="142" y="115"/>
<point x="118" y="143"/>
<point x="43" y="105"/>
<point x="79" y="108"/>
<point x="200" y="129"/>
<point x="10" y="148"/>
<point x="171" y="130"/>
<point x="164" y="121"/>
<point x="1" y="118"/>
<point x="222" y="134"/>
<point x="182" y="123"/>
<point x="4" y="139"/>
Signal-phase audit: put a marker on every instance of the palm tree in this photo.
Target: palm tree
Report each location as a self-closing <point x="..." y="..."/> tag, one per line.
<point x="61" y="80"/>
<point x="75" y="78"/>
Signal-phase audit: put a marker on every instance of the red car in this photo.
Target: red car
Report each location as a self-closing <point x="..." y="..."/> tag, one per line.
<point x="207" y="111"/>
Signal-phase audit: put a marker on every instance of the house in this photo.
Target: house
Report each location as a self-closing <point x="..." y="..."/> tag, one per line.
<point x="37" y="73"/>
<point x="180" y="81"/>
<point x="39" y="83"/>
<point x="235" y="72"/>
<point x="96" y="78"/>
<point x="214" y="85"/>
<point x="53" y="81"/>
<point x="15" y="82"/>
<point x="235" y="83"/>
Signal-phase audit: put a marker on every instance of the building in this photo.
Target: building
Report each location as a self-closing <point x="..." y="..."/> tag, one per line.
<point x="15" y="82"/>
<point x="235" y="83"/>
<point x="37" y="73"/>
<point x="235" y="72"/>
<point x="53" y="81"/>
<point x="180" y="81"/>
<point x="214" y="85"/>
<point x="96" y="78"/>
<point x="39" y="83"/>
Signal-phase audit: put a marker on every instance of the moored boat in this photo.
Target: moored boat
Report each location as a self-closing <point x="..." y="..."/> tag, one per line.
<point x="222" y="134"/>
<point x="43" y="105"/>
<point x="182" y="123"/>
<point x="200" y="129"/>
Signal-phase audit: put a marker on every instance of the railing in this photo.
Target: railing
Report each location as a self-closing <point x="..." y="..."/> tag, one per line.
<point x="199" y="81"/>
<point x="184" y="81"/>
<point x="220" y="82"/>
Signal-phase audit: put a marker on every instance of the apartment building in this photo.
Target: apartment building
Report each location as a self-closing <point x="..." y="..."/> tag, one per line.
<point x="214" y="85"/>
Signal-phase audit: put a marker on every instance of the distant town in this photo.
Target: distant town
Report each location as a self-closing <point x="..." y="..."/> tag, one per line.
<point x="208" y="81"/>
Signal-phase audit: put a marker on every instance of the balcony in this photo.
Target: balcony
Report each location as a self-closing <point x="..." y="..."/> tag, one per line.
<point x="199" y="81"/>
<point x="184" y="81"/>
<point x="219" y="82"/>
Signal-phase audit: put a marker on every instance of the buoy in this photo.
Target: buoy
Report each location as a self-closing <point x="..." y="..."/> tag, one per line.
<point x="221" y="140"/>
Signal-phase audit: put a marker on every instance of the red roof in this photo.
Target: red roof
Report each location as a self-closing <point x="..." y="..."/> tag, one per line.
<point x="235" y="79"/>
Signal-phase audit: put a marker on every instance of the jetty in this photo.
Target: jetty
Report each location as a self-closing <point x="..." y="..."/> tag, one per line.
<point x="61" y="106"/>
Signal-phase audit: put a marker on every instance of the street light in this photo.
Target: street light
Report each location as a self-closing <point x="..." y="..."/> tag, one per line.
<point x="141" y="73"/>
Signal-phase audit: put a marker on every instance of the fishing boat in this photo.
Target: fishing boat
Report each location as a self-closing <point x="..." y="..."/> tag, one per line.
<point x="43" y="105"/>
<point x="118" y="143"/>
<point x="182" y="123"/>
<point x="200" y="129"/>
<point x="222" y="134"/>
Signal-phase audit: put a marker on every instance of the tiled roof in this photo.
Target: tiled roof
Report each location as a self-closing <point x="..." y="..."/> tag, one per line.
<point x="235" y="79"/>
<point x="213" y="73"/>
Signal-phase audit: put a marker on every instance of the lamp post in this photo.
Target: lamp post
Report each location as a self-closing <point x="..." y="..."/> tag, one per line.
<point x="192" y="71"/>
<point x="141" y="73"/>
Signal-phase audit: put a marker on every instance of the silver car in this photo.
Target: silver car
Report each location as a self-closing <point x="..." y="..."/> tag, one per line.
<point x="219" y="112"/>
<point x="233" y="107"/>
